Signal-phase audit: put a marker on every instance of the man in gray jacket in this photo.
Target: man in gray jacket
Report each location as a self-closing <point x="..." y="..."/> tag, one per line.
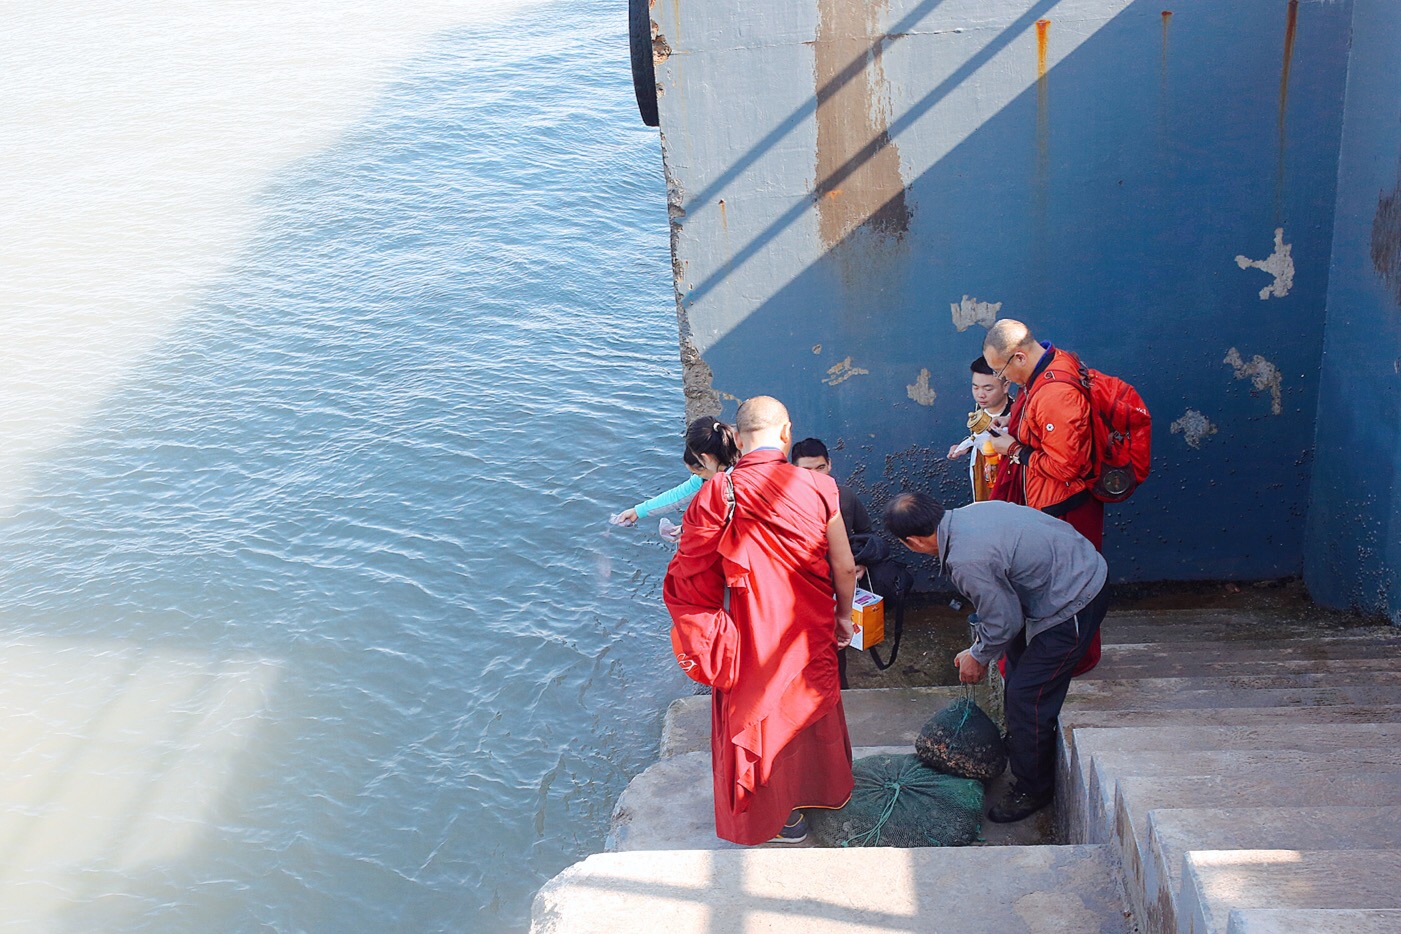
<point x="1038" y="588"/>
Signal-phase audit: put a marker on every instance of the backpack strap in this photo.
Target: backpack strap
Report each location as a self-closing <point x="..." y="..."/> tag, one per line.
<point x="1083" y="383"/>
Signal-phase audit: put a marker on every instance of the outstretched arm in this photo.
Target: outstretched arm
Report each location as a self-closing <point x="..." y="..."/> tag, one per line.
<point x="670" y="498"/>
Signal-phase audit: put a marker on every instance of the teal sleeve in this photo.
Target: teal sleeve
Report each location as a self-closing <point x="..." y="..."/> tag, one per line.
<point x="671" y="497"/>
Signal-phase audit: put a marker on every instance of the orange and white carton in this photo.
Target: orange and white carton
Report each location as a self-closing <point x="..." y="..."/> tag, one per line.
<point x="868" y="616"/>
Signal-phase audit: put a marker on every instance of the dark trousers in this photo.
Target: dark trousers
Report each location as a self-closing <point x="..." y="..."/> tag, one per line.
<point x="1038" y="676"/>
<point x="1088" y="519"/>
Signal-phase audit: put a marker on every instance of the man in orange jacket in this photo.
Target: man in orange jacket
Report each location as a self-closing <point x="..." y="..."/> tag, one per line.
<point x="1048" y="448"/>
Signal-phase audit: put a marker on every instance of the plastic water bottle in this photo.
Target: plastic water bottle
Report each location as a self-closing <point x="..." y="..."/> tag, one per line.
<point x="990" y="461"/>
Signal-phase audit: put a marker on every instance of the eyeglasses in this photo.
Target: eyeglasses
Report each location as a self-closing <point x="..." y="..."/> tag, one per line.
<point x="998" y="373"/>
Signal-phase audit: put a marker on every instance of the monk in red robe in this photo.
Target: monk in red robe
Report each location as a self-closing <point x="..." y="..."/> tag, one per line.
<point x="778" y="737"/>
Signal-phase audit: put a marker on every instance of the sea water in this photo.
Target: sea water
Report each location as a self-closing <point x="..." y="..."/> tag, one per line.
<point x="333" y="334"/>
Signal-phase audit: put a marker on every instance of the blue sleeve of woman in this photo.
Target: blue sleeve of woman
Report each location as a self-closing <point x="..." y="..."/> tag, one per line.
<point x="671" y="497"/>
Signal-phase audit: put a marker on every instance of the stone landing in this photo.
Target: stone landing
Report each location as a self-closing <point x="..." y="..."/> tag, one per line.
<point x="1221" y="773"/>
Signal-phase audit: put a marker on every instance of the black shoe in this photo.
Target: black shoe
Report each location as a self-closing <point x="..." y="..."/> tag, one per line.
<point x="1018" y="805"/>
<point x="795" y="831"/>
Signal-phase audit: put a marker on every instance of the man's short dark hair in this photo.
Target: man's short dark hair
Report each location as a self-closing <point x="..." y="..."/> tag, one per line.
<point x="980" y="366"/>
<point x="911" y="514"/>
<point x="808" y="447"/>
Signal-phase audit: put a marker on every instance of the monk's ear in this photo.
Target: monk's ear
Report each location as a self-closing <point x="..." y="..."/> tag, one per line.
<point x="785" y="433"/>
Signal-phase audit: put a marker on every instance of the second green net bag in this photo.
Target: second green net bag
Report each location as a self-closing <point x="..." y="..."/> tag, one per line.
<point x="900" y="801"/>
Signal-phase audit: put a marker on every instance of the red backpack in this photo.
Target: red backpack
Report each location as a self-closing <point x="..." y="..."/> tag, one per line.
<point x="1123" y="433"/>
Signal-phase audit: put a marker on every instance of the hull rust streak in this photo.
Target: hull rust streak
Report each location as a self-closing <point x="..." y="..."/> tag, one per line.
<point x="858" y="166"/>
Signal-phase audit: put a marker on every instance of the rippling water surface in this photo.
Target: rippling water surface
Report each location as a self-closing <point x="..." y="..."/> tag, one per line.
<point x="310" y="617"/>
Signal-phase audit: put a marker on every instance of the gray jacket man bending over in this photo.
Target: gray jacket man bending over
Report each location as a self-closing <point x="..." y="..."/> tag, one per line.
<point x="1038" y="588"/>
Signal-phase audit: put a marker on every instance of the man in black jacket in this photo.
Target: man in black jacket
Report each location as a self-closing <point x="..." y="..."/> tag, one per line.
<point x="875" y="569"/>
<point x="811" y="454"/>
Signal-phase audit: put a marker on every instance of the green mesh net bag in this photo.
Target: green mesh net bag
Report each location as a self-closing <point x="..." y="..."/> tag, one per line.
<point x="962" y="740"/>
<point x="900" y="801"/>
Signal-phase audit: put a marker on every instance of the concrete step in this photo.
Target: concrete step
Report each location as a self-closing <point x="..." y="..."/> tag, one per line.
<point x="1387" y="676"/>
<point x="1386" y="644"/>
<point x="1215" y="882"/>
<point x="1080" y="745"/>
<point x="974" y="890"/>
<point x="1316" y="921"/>
<point x="1220" y="626"/>
<point x="1137" y="795"/>
<point x="1277" y="735"/>
<point x="1075" y="717"/>
<point x="874" y="716"/>
<point x="1226" y="666"/>
<point x="1316" y="769"/>
<point x="671" y="806"/>
<point x="1294" y="690"/>
<point x="1153" y="860"/>
<point x="1125" y="632"/>
<point x="1139" y="799"/>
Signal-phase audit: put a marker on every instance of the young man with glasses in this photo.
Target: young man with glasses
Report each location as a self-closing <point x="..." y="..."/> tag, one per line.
<point x="994" y="402"/>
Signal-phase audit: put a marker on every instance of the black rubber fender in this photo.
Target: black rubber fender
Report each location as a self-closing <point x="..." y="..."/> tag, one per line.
<point x="644" y="72"/>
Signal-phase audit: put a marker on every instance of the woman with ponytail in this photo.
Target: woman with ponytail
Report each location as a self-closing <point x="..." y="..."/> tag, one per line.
<point x="710" y="448"/>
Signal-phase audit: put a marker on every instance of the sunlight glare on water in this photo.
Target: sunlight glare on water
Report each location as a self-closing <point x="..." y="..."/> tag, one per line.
<point x="333" y="335"/>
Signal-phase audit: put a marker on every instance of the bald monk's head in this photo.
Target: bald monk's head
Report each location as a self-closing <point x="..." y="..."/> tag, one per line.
<point x="763" y="422"/>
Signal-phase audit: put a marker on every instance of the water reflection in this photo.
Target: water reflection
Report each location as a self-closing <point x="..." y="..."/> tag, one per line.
<point x="370" y="460"/>
<point x="116" y="760"/>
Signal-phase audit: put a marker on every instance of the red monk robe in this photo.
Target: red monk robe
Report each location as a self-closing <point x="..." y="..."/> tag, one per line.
<point x="778" y="737"/>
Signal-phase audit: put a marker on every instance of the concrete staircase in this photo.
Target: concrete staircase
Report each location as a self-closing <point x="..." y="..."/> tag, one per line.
<point x="1220" y="772"/>
<point x="1247" y="773"/>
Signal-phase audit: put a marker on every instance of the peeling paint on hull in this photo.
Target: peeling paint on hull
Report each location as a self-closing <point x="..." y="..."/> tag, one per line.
<point x="1194" y="427"/>
<point x="1279" y="264"/>
<point x="919" y="390"/>
<point x="841" y="372"/>
<point x="1262" y="374"/>
<point x="970" y="311"/>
